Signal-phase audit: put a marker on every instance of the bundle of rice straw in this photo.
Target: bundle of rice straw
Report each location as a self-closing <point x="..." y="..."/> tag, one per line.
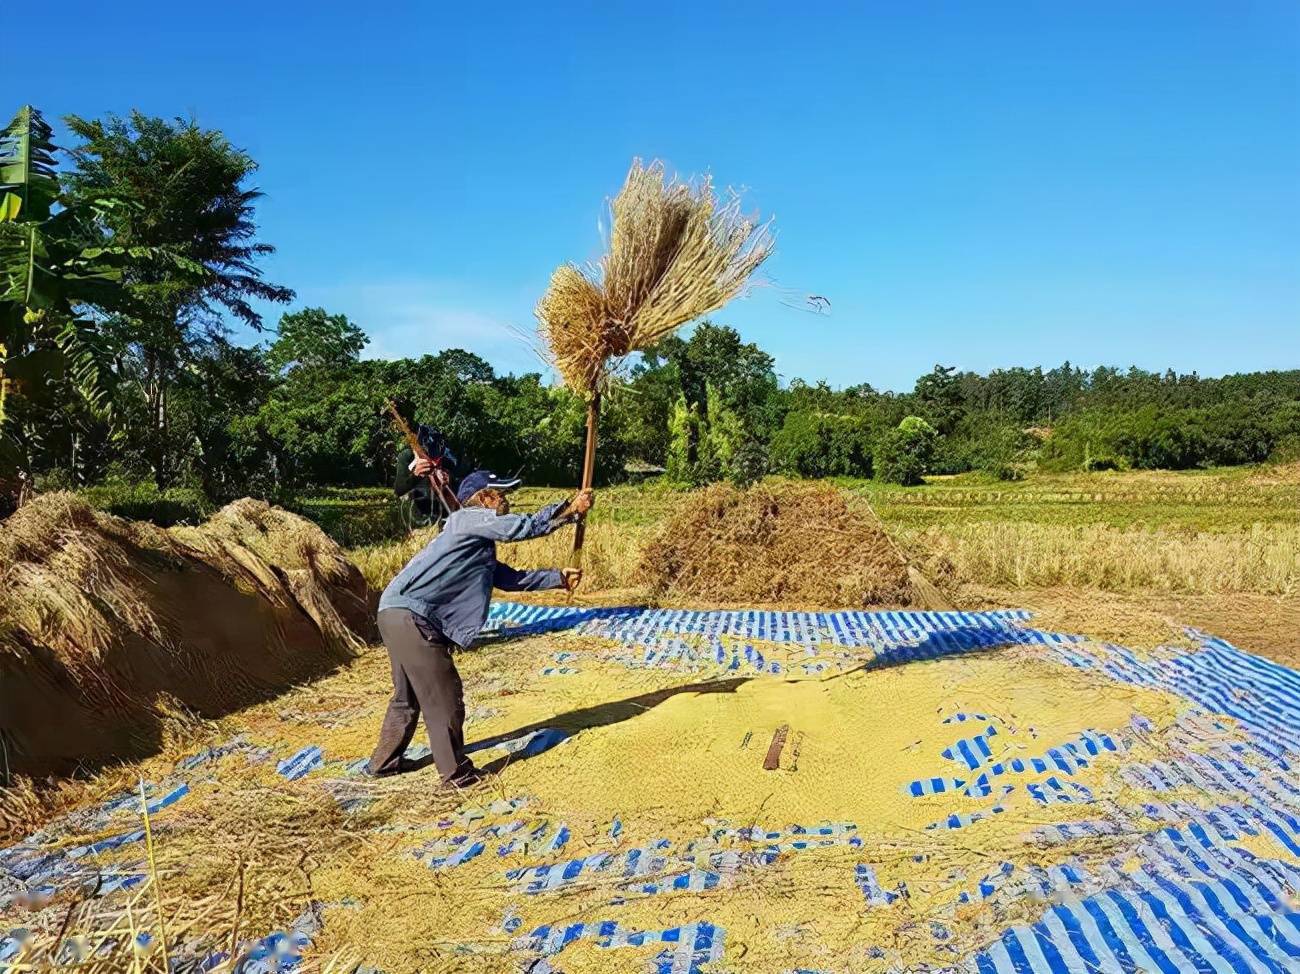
<point x="676" y="253"/>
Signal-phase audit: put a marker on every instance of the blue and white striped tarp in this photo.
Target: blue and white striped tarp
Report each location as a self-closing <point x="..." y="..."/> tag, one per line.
<point x="1182" y="897"/>
<point x="1150" y="875"/>
<point x="687" y="948"/>
<point x="301" y="763"/>
<point x="828" y="641"/>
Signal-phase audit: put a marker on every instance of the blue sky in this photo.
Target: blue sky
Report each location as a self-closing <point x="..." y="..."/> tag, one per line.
<point x="978" y="184"/>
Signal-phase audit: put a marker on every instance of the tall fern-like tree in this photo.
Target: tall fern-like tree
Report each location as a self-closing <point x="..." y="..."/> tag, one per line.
<point x="190" y="185"/>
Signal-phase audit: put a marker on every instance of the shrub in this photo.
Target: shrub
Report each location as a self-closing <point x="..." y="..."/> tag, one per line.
<point x="903" y="455"/>
<point x="354" y="518"/>
<point x="143" y="501"/>
<point x="1286" y="451"/>
<point x="1008" y="453"/>
<point x="818" y="444"/>
<point x="749" y="464"/>
<point x="1097" y="464"/>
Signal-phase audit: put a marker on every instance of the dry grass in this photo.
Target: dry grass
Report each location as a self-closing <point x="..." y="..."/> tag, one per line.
<point x="1267" y="625"/>
<point x="610" y="554"/>
<point x="219" y="877"/>
<point x="618" y="529"/>
<point x="675" y="253"/>
<point x="1011" y="544"/>
<point x="379" y="563"/>
<point x="774" y="543"/>
<point x="122" y="628"/>
<point x="1264" y="559"/>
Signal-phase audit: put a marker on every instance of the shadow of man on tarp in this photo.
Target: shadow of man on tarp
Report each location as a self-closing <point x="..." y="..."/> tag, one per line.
<point x="566" y="618"/>
<point x="938" y="645"/>
<point x="551" y="731"/>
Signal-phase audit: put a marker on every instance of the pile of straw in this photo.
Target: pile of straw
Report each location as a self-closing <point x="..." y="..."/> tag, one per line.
<point x="109" y="629"/>
<point x="676" y="253"/>
<point x="776" y="544"/>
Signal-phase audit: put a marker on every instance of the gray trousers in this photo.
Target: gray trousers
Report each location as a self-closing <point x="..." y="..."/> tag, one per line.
<point x="425" y="682"/>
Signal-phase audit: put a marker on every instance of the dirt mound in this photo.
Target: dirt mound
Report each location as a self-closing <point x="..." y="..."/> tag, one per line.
<point x="789" y="544"/>
<point x="109" y="626"/>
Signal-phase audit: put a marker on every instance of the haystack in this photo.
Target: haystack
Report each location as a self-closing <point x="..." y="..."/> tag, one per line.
<point x="107" y="626"/>
<point x="776" y="544"/>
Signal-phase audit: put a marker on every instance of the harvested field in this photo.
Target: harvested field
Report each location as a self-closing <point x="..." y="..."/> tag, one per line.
<point x="773" y="544"/>
<point x="948" y="788"/>
<point x="109" y="628"/>
<point x="944" y="784"/>
<point x="1265" y="624"/>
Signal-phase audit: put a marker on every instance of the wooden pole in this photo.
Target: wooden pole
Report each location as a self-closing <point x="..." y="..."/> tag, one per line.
<point x="588" y="476"/>
<point x="413" y="441"/>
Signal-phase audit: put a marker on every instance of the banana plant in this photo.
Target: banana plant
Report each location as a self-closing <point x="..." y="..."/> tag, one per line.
<point x="56" y="261"/>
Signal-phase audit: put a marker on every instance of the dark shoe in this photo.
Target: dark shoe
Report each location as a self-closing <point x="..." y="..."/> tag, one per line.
<point x="467" y="777"/>
<point x="403" y="766"/>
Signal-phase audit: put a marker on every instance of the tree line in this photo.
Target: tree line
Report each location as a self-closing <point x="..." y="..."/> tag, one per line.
<point x="124" y="257"/>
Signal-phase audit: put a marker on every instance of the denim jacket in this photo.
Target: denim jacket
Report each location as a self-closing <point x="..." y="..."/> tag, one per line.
<point x="450" y="581"/>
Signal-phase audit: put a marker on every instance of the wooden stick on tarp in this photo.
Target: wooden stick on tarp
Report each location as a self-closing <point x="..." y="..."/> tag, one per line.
<point x="588" y="476"/>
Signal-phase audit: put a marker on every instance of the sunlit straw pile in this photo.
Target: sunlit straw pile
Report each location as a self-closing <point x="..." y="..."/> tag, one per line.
<point x="109" y="627"/>
<point x="676" y="252"/>
<point x="775" y="544"/>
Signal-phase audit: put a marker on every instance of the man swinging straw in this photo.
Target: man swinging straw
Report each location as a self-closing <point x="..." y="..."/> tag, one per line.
<point x="440" y="601"/>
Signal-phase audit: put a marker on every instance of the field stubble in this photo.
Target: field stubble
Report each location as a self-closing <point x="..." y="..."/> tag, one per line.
<point x="1157" y="533"/>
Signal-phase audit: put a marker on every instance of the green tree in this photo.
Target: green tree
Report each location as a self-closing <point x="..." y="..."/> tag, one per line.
<point x="938" y="394"/>
<point x="56" y="266"/>
<point x="742" y="372"/>
<point x="684" y="439"/>
<point x="727" y="381"/>
<point x="189" y="187"/>
<point x="216" y="395"/>
<point x="314" y="339"/>
<point x="904" y="453"/>
<point x="819" y="444"/>
<point x="733" y="450"/>
<point x="647" y="399"/>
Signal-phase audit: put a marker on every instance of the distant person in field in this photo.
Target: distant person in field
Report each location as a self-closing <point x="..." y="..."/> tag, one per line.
<point x="421" y="506"/>
<point x="439" y="601"/>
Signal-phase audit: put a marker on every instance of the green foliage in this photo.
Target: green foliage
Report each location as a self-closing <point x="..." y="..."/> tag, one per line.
<point x="190" y="230"/>
<point x="1287" y="449"/>
<point x="56" y="261"/>
<point x="189" y="188"/>
<point x="938" y="395"/>
<point x="903" y="455"/>
<point x="353" y="517"/>
<point x="118" y="275"/>
<point x="1004" y="452"/>
<point x="1157" y="437"/>
<point x="721" y="417"/>
<point x="732" y="449"/>
<point x="819" y="444"/>
<point x="315" y="339"/>
<point x="143" y="501"/>
<point x="647" y="401"/>
<point x="713" y="445"/>
<point x="212" y="415"/>
<point x="682" y="465"/>
<point x="741" y="373"/>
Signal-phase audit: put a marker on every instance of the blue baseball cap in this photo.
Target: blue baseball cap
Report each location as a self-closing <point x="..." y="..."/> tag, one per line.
<point x="483" y="480"/>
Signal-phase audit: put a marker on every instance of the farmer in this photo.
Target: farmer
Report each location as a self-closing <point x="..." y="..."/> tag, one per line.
<point x="420" y="505"/>
<point x="440" y="600"/>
